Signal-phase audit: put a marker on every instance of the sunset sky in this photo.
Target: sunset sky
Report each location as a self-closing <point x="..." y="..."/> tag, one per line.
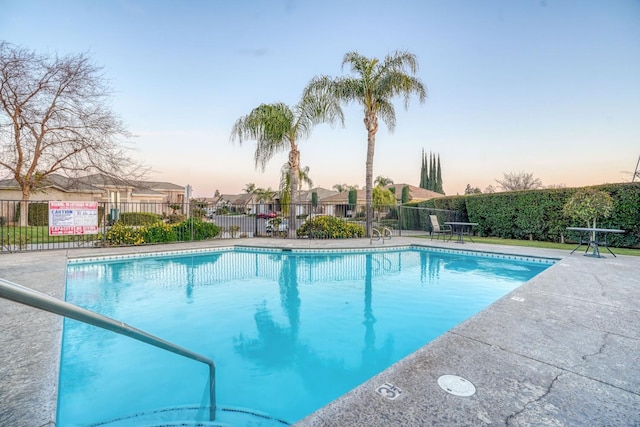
<point x="549" y="87"/>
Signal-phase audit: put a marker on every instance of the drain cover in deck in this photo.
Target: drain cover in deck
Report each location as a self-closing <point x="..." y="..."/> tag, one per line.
<point x="456" y="385"/>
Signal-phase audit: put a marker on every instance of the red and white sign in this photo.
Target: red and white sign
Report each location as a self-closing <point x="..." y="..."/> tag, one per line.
<point x="73" y="218"/>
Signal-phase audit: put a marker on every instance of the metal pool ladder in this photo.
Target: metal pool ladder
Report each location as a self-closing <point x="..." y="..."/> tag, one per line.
<point x="24" y="295"/>
<point x="380" y="232"/>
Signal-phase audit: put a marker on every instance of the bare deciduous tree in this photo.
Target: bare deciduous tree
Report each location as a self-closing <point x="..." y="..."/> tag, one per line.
<point x="519" y="181"/>
<point x="55" y="117"/>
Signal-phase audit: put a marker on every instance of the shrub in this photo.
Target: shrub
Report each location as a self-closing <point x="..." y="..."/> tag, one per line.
<point x="196" y="229"/>
<point x="38" y="214"/>
<point x="121" y="234"/>
<point x="329" y="227"/>
<point x="139" y="218"/>
<point x="176" y="218"/>
<point x="233" y="230"/>
<point x="159" y="233"/>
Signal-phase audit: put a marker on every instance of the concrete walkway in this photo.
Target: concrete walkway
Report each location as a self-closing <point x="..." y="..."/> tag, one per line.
<point x="561" y="350"/>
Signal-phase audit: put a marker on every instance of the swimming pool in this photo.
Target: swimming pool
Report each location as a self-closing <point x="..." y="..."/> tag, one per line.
<point x="289" y="331"/>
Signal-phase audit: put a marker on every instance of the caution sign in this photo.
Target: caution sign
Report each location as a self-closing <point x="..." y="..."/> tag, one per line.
<point x="73" y="218"/>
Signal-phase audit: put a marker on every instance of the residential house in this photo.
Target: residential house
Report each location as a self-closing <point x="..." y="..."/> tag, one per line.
<point x="303" y="199"/>
<point x="338" y="204"/>
<point x="123" y="195"/>
<point x="244" y="203"/>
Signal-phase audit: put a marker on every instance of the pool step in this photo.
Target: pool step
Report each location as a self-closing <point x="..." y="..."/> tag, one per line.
<point x="195" y="416"/>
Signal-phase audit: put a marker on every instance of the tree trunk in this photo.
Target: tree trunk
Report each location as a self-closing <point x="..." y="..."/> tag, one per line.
<point x="24" y="206"/>
<point x="294" y="167"/>
<point x="371" y="123"/>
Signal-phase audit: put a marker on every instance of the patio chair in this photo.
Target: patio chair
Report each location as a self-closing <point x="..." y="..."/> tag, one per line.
<point x="439" y="230"/>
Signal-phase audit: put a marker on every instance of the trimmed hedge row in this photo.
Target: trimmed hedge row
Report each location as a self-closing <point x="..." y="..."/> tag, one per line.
<point x="537" y="214"/>
<point x="445" y="208"/>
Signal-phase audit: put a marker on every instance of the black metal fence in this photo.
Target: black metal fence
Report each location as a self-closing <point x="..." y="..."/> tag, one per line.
<point x="25" y="226"/>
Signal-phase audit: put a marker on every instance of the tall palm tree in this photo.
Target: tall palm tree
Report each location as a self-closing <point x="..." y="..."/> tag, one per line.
<point x="277" y="128"/>
<point x="373" y="86"/>
<point x="285" y="184"/>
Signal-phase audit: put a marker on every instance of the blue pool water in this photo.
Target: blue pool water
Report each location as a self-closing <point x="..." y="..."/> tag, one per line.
<point x="289" y="331"/>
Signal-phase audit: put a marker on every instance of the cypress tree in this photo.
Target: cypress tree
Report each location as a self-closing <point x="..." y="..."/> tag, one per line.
<point x="432" y="172"/>
<point x="439" y="178"/>
<point x="422" y="172"/>
<point x="405" y="194"/>
<point x="353" y="197"/>
<point x="425" y="171"/>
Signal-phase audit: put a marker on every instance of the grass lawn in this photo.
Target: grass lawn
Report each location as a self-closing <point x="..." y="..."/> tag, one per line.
<point x="10" y="235"/>
<point x="547" y="245"/>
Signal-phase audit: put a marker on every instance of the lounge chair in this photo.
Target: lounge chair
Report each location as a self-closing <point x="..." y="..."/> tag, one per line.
<point x="439" y="230"/>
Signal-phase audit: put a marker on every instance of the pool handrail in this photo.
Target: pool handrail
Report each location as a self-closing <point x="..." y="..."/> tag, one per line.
<point x="21" y="294"/>
<point x="378" y="232"/>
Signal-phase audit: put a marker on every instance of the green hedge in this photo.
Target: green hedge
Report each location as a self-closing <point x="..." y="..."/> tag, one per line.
<point x="537" y="214"/>
<point x="451" y="209"/>
<point x="38" y="213"/>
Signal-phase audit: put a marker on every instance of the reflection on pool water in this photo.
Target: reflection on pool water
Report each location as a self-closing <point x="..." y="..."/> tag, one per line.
<point x="289" y="331"/>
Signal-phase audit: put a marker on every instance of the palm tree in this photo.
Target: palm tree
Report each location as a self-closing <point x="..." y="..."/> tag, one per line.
<point x="277" y="128"/>
<point x="340" y="187"/>
<point x="285" y="184"/>
<point x="374" y="85"/>
<point x="264" y="195"/>
<point x="383" y="181"/>
<point x="344" y="187"/>
<point x="249" y="188"/>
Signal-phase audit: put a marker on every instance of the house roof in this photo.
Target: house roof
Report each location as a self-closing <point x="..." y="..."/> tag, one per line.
<point x="158" y="185"/>
<point x="235" y="199"/>
<point x="305" y="196"/>
<point x="96" y="183"/>
<point x="59" y="182"/>
<point x="105" y="181"/>
<point x="343" y="198"/>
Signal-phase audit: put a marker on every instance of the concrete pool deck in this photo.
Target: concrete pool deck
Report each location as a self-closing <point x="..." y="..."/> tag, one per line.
<point x="562" y="349"/>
